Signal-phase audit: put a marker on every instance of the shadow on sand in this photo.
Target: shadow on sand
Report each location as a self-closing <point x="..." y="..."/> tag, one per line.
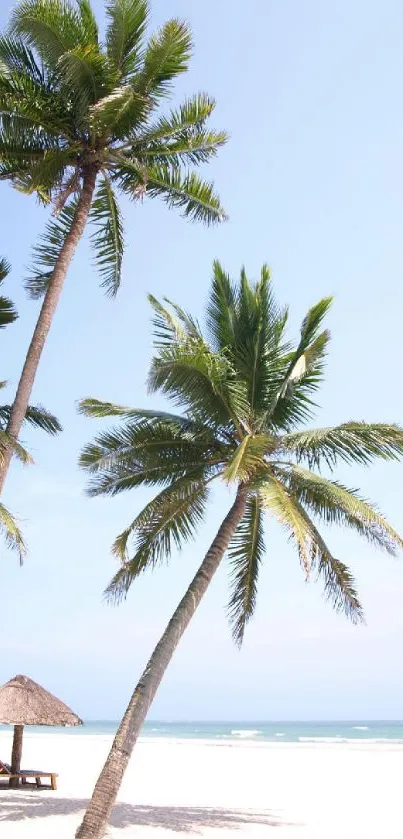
<point x="21" y="805"/>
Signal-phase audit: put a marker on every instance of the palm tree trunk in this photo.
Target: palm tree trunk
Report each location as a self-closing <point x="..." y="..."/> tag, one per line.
<point x="48" y="309"/>
<point x="16" y="754"/>
<point x="106" y="789"/>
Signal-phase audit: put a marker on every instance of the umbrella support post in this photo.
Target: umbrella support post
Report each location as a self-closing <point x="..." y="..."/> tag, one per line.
<point x="16" y="754"/>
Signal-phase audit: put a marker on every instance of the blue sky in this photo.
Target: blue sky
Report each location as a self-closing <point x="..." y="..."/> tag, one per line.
<point x="312" y="179"/>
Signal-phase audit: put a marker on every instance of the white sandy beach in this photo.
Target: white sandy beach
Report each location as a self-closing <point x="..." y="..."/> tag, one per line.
<point x="201" y="789"/>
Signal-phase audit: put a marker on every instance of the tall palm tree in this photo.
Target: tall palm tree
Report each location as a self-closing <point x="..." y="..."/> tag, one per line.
<point x="36" y="416"/>
<point x="80" y="121"/>
<point x="244" y="392"/>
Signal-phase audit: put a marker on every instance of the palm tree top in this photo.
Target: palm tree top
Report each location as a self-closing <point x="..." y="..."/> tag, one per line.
<point x="72" y="103"/>
<point x="245" y="393"/>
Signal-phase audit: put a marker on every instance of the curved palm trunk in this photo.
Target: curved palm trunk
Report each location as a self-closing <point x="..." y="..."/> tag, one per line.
<point x="107" y="787"/>
<point x="48" y="309"/>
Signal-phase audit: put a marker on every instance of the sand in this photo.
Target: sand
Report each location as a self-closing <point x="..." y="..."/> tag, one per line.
<point x="219" y="791"/>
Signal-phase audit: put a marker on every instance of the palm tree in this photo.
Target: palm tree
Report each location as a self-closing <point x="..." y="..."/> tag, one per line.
<point x="244" y="393"/>
<point x="36" y="416"/>
<point x="80" y="121"/>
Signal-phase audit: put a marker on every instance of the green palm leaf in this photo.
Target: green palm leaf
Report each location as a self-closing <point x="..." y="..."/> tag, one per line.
<point x="195" y="197"/>
<point x="47" y="251"/>
<point x="283" y="507"/>
<point x="188" y="117"/>
<point x="147" y="452"/>
<point x="167" y="521"/>
<point x="108" y="239"/>
<point x="166" y="56"/>
<point x="96" y="408"/>
<point x="8" y="313"/>
<point x="340" y="587"/>
<point x="246" y="554"/>
<point x="351" y="442"/>
<point x="336" y="504"/>
<point x="50" y="27"/>
<point x="7" y="442"/>
<point x="85" y="73"/>
<point x="200" y="382"/>
<point x="11" y="533"/>
<point x="222" y="310"/>
<point x="37" y="416"/>
<point x="88" y="21"/>
<point x="127" y="22"/>
<point x="116" y="113"/>
<point x="247" y="458"/>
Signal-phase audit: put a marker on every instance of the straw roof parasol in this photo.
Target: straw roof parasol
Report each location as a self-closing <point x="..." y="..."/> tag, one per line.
<point x="24" y="702"/>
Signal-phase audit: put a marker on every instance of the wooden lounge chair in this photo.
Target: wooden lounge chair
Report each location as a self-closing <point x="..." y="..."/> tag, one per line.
<point x="24" y="774"/>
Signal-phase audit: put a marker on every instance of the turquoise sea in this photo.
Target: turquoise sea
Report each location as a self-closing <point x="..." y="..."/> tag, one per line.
<point x="273" y="732"/>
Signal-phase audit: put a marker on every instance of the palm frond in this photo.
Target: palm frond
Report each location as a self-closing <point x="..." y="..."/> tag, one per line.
<point x="334" y="503"/>
<point x="28" y="100"/>
<point x="200" y="382"/>
<point x="8" y="442"/>
<point x="180" y="137"/>
<point x="8" y="313"/>
<point x="258" y="349"/>
<point x="189" y="193"/>
<point x="246" y="554"/>
<point x="247" y="457"/>
<point x="98" y="409"/>
<point x="85" y="73"/>
<point x="340" y="587"/>
<point x="51" y="28"/>
<point x="47" y="251"/>
<point x="284" y="508"/>
<point x="127" y="22"/>
<point x="37" y="416"/>
<point x="194" y="149"/>
<point x="108" y="238"/>
<point x="191" y="115"/>
<point x="168" y="521"/>
<point x="45" y="174"/>
<point x="88" y="21"/>
<point x="221" y="310"/>
<point x="17" y="58"/>
<point x="351" y="442"/>
<point x="118" y="112"/>
<point x="40" y="417"/>
<point x="166" y="56"/>
<point x="312" y="549"/>
<point x="301" y="373"/>
<point x="11" y="533"/>
<point x="5" y="269"/>
<point x="147" y="453"/>
<point x="170" y="328"/>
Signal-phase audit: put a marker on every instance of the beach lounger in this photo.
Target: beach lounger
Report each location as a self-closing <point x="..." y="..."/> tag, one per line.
<point x="24" y="774"/>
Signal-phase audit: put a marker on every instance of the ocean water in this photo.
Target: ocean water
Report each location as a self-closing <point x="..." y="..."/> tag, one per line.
<point x="240" y="730"/>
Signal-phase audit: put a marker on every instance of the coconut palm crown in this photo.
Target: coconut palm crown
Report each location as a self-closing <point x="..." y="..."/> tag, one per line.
<point x="74" y="108"/>
<point x="245" y="393"/>
<point x="36" y="416"/>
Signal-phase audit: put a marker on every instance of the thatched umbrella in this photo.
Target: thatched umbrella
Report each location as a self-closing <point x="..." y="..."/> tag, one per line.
<point x="24" y="702"/>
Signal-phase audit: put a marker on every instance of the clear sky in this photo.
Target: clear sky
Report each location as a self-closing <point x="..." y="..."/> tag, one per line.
<point x="312" y="178"/>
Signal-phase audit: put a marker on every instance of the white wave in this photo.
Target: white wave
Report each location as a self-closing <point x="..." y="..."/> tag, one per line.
<point x="279" y="734"/>
<point x="361" y="727"/>
<point x="337" y="739"/>
<point x="246" y="732"/>
<point x="352" y="740"/>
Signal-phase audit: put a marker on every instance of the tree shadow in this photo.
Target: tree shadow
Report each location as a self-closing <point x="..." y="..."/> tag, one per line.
<point x="22" y="805"/>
